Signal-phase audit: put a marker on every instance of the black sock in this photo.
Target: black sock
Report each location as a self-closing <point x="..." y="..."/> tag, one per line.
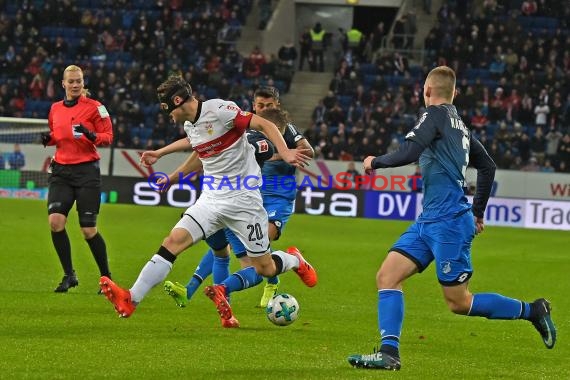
<point x="99" y="250"/>
<point x="166" y="254"/>
<point x="278" y="264"/>
<point x="390" y="350"/>
<point x="63" y="248"/>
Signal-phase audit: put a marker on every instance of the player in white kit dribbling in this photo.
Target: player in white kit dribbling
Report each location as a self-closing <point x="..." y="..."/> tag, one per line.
<point x="216" y="133"/>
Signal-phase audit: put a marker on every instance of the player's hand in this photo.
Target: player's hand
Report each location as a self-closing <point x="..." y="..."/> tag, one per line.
<point x="367" y="165"/>
<point x="295" y="157"/>
<point x="148" y="158"/>
<point x="46" y="138"/>
<point x="479" y="225"/>
<point x="80" y="128"/>
<point x="163" y="184"/>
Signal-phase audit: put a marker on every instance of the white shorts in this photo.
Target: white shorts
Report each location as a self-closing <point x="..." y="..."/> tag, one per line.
<point x="243" y="214"/>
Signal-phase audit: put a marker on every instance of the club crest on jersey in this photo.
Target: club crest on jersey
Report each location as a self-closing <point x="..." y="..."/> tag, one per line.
<point x="446" y="267"/>
<point x="210" y="128"/>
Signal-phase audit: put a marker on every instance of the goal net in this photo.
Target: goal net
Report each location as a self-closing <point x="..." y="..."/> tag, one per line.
<point x="23" y="159"/>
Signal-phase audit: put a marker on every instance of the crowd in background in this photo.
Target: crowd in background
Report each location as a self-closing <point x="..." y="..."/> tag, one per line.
<point x="126" y="48"/>
<point x="512" y="59"/>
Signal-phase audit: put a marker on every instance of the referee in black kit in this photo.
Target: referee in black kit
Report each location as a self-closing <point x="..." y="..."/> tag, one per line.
<point x="77" y="125"/>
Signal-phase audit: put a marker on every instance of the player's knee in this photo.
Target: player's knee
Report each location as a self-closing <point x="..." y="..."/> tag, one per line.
<point x="57" y="222"/>
<point x="274" y="227"/>
<point x="386" y="280"/>
<point x="177" y="241"/>
<point x="88" y="232"/>
<point x="244" y="261"/>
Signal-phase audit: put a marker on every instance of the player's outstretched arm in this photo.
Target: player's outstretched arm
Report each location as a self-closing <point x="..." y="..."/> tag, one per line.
<point x="150" y="157"/>
<point x="407" y="153"/>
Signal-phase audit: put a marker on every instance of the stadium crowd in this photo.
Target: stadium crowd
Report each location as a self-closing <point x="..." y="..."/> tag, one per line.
<point x="512" y="59"/>
<point x="513" y="65"/>
<point x="127" y="48"/>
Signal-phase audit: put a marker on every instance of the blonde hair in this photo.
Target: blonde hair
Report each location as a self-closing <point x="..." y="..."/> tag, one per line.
<point x="76" y="68"/>
<point x="442" y="82"/>
<point x="277" y="116"/>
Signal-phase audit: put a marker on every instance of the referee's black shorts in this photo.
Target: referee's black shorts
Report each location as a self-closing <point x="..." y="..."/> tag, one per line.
<point x="79" y="183"/>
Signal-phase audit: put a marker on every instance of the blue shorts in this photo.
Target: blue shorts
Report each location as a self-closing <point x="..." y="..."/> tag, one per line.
<point x="279" y="211"/>
<point x="448" y="242"/>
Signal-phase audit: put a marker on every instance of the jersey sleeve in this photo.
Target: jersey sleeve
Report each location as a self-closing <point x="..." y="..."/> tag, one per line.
<point x="294" y="133"/>
<point x="480" y="160"/>
<point x="233" y="117"/>
<point x="425" y="130"/>
<point x="103" y="126"/>
<point x="263" y="148"/>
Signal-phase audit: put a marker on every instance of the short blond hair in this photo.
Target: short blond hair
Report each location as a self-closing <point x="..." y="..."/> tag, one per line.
<point x="75" y="68"/>
<point x="442" y="82"/>
<point x="277" y="116"/>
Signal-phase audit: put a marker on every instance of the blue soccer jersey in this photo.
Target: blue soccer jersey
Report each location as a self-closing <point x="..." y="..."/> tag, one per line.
<point x="279" y="176"/>
<point x="443" y="162"/>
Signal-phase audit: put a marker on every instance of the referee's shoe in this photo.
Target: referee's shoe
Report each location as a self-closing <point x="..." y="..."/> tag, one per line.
<point x="68" y="281"/>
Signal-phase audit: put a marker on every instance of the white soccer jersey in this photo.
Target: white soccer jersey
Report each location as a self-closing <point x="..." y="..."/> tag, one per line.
<point x="227" y="157"/>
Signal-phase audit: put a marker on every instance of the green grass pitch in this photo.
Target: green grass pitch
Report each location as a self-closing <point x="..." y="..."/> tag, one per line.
<point x="78" y="335"/>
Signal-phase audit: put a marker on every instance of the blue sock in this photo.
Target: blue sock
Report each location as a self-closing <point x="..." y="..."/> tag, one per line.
<point x="273" y="280"/>
<point x="242" y="279"/>
<point x="390" y="316"/>
<point x="221" y="269"/>
<point x="496" y="306"/>
<point x="203" y="270"/>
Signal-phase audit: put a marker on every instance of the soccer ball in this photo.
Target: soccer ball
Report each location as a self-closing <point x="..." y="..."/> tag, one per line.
<point x="282" y="309"/>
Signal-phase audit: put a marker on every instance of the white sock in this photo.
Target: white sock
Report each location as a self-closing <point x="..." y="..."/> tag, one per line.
<point x="152" y="274"/>
<point x="289" y="261"/>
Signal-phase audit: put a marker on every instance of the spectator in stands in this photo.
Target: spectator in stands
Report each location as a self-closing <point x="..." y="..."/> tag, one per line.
<point x="479" y="121"/>
<point x="506" y="160"/>
<point x="318" y="42"/>
<point x="37" y="87"/>
<point x="564" y="149"/>
<point x="529" y="8"/>
<point x="351" y="172"/>
<point x="319" y="112"/>
<point x="16" y="159"/>
<point x="532" y="165"/>
<point x="355" y="41"/>
<point x="427" y="6"/>
<point x="553" y="138"/>
<point x="288" y="53"/>
<point x="305" y="48"/>
<point x="398" y="40"/>
<point x="410" y="29"/>
<point x="265" y="11"/>
<point x="547" y="167"/>
<point x="335" y="115"/>
<point x="2" y="161"/>
<point x="496" y="106"/>
<point x="541" y="112"/>
<point x="538" y="145"/>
